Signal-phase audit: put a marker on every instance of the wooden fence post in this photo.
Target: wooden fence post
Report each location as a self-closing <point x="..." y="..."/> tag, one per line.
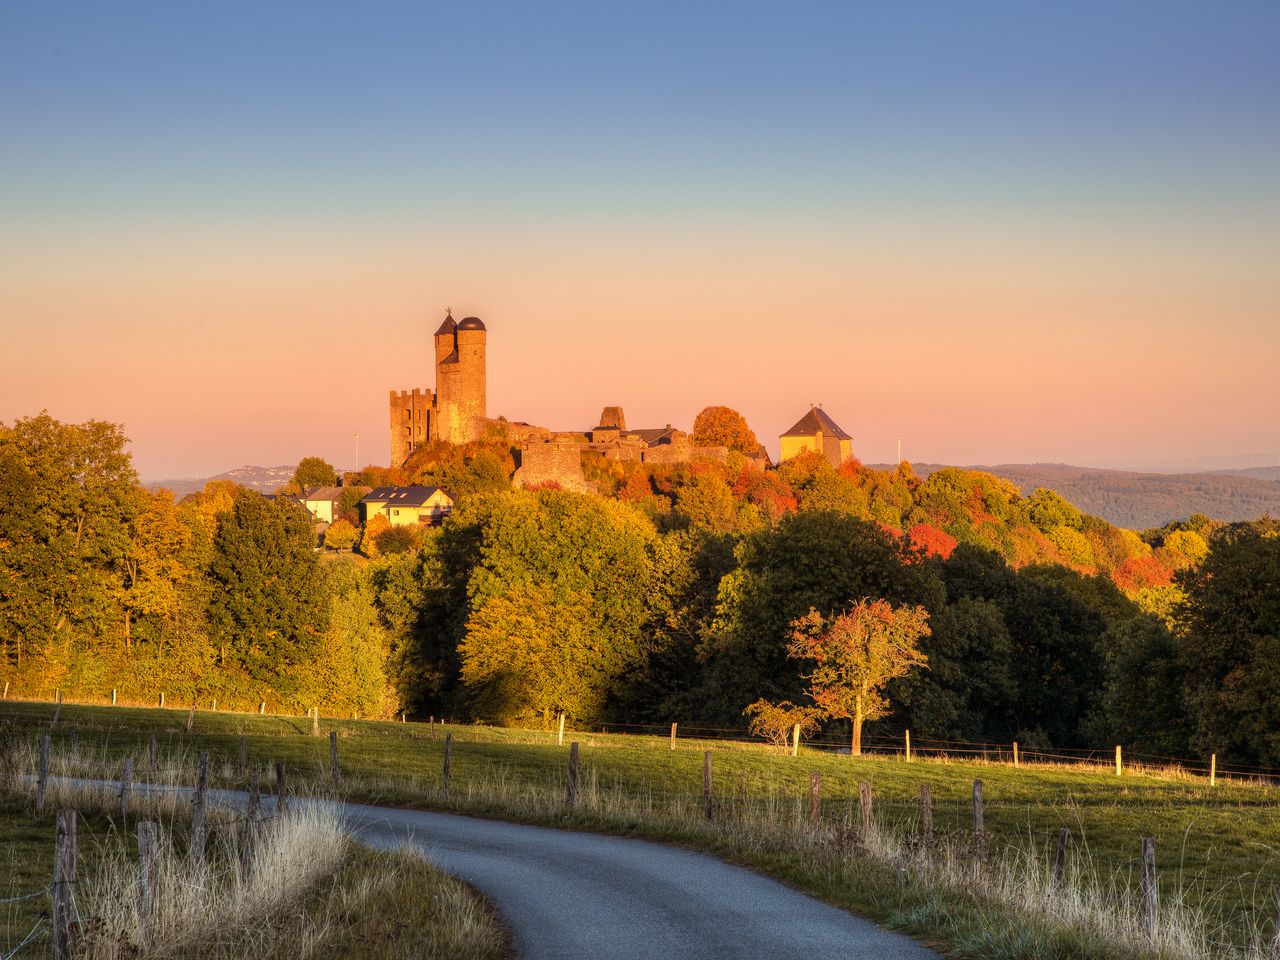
<point x="253" y="816"/>
<point x="214" y="708"/>
<point x="706" y="784"/>
<point x="262" y="708"/>
<point x="1015" y="753"/>
<point x="57" y="711"/>
<point x="1150" y="892"/>
<point x="197" y="810"/>
<point x="864" y="805"/>
<point x="926" y="819"/>
<point x="191" y="718"/>
<point x="64" y="880"/>
<point x="42" y="778"/>
<point x="673" y="735"/>
<point x="126" y="788"/>
<point x="572" y="792"/>
<point x="242" y="757"/>
<point x="315" y="721"/>
<point x="979" y="828"/>
<point x="148" y="886"/>
<point x="1060" y="858"/>
<point x="448" y="756"/>
<point x="1119" y="762"/>
<point x="815" y="799"/>
<point x="795" y="740"/>
<point x="113" y="696"/>
<point x="333" y="757"/>
<point x="908" y="742"/>
<point x="560" y="735"/>
<point x="161" y="699"/>
<point x="155" y="753"/>
<point x="282" y="790"/>
<point x="1213" y="769"/>
<point x="5" y="695"/>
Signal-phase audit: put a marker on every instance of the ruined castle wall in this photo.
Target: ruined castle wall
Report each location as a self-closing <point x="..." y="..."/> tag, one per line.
<point x="669" y="453"/>
<point x="413" y="415"/>
<point x="559" y="463"/>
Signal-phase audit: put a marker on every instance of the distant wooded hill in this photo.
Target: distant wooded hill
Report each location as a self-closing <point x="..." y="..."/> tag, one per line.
<point x="262" y="479"/>
<point x="1140" y="501"/>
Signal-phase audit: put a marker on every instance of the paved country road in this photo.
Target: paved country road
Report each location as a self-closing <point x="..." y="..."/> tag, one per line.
<point x="567" y="895"/>
<point x="572" y="896"/>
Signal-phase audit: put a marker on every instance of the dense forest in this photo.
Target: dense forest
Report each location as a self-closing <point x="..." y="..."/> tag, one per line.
<point x="672" y="594"/>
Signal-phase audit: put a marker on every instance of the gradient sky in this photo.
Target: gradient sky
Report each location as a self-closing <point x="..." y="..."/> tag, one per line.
<point x="1002" y="232"/>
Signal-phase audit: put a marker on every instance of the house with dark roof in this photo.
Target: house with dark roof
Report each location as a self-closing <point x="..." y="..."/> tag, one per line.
<point x="816" y="431"/>
<point x="407" y="506"/>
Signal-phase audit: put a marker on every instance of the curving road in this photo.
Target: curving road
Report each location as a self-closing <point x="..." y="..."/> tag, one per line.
<point x="572" y="896"/>
<point x="566" y="895"/>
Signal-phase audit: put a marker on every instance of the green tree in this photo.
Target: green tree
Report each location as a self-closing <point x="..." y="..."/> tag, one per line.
<point x="348" y="671"/>
<point x="855" y="655"/>
<point x="269" y="606"/>
<point x="68" y="494"/>
<point x="592" y="555"/>
<point x="531" y="651"/>
<point x="314" y="472"/>
<point x="1229" y="645"/>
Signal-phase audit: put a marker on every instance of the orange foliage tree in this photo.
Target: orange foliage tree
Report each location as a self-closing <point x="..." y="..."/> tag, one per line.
<point x="775" y="721"/>
<point x="856" y="654"/>
<point x="724" y="427"/>
<point x="934" y="542"/>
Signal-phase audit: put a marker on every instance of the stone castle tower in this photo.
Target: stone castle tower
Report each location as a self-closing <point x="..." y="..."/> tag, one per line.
<point x="456" y="411"/>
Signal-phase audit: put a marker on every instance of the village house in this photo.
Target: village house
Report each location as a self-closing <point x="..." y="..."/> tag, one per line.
<point x="407" y="506"/>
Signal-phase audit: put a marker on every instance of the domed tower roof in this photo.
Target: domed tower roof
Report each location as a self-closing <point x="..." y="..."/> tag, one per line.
<point x="448" y="326"/>
<point x="471" y="323"/>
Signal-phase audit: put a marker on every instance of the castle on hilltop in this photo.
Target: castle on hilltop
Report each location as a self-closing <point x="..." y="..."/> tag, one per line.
<point x="455" y="411"/>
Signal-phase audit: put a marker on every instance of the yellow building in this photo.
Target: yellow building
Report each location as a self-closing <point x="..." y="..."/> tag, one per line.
<point x="322" y="502"/>
<point x="407" y="506"/>
<point x="817" y="432"/>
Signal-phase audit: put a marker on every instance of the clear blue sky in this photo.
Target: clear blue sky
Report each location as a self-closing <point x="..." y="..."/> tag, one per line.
<point x="482" y="138"/>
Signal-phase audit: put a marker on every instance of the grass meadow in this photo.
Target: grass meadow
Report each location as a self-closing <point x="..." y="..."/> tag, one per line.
<point x="1217" y="853"/>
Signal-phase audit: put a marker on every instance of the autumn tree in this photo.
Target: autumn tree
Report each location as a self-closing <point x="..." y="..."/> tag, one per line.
<point x="776" y="721"/>
<point x="156" y="565"/>
<point x="375" y="527"/>
<point x="810" y="560"/>
<point x="340" y="535"/>
<point x="724" y="427"/>
<point x="856" y="654"/>
<point x="314" y="472"/>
